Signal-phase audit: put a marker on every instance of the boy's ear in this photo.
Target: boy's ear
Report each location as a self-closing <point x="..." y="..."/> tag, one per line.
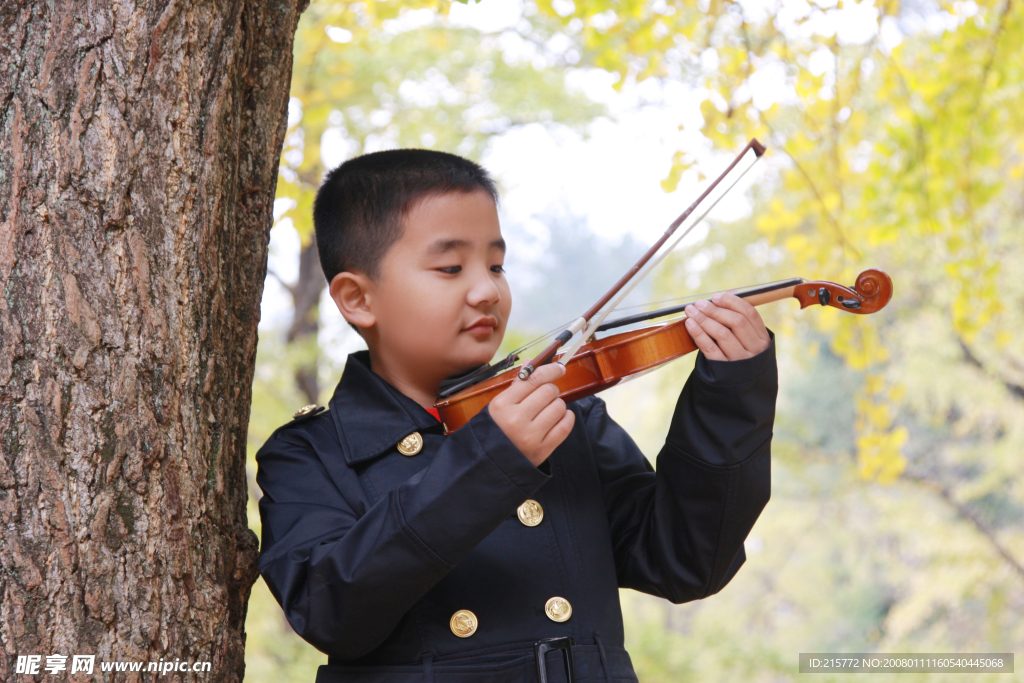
<point x="352" y="295"/>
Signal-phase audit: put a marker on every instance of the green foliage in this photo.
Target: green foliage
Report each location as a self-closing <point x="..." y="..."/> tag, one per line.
<point x="435" y="86"/>
<point x="635" y="38"/>
<point x="904" y="159"/>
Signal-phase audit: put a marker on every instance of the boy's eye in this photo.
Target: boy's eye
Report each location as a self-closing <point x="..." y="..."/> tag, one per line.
<point x="452" y="270"/>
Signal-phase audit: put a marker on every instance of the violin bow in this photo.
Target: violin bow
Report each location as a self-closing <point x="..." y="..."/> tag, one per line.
<point x="628" y="281"/>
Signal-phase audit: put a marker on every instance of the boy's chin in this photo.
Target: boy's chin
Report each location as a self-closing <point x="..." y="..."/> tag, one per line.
<point x="474" y="358"/>
<point x="472" y="362"/>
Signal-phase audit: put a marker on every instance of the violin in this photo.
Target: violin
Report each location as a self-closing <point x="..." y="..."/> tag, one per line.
<point x="603" y="363"/>
<point x="593" y="365"/>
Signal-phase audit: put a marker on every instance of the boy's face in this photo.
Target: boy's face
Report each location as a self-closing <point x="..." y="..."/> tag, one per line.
<point x="442" y="301"/>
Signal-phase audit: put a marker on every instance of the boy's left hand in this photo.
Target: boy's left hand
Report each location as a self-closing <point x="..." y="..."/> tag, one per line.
<point x="727" y="327"/>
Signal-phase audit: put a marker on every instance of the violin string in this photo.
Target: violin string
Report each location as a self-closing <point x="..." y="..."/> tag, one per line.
<point x="547" y="335"/>
<point x="692" y="297"/>
<point x="695" y="297"/>
<point x="543" y="337"/>
<point x="556" y="330"/>
<point x="739" y="291"/>
<point x="661" y="321"/>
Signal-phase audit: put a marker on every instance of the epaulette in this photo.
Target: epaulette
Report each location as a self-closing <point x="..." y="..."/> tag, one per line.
<point x="304" y="414"/>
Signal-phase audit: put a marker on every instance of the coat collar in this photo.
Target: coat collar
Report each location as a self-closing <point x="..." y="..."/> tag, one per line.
<point x="370" y="414"/>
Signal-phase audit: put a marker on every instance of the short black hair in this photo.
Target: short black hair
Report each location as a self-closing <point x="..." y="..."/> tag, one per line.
<point x="359" y="208"/>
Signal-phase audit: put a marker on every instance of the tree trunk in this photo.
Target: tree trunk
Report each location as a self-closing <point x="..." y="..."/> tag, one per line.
<point x="138" y="166"/>
<point x="306" y="320"/>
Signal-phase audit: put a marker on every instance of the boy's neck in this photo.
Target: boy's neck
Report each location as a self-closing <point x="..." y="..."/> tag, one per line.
<point x="420" y="387"/>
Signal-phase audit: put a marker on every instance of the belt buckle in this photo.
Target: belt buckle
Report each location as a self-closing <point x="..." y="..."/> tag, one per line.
<point x="542" y="647"/>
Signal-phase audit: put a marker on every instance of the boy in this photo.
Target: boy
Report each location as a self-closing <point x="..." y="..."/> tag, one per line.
<point x="495" y="553"/>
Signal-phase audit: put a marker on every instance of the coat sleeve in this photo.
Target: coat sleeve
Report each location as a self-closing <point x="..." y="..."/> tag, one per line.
<point x="678" y="532"/>
<point x="346" y="575"/>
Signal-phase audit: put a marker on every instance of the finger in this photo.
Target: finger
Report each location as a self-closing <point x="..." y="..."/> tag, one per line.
<point x="519" y="389"/>
<point x="761" y="339"/>
<point x="704" y="342"/>
<point x="746" y="309"/>
<point x="738" y="324"/>
<point x="548" y="417"/>
<point x="723" y="336"/>
<point x="539" y="399"/>
<point x="548" y="372"/>
<point x="559" y="432"/>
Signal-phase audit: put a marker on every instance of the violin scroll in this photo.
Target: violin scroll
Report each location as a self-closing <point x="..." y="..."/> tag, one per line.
<point x="871" y="293"/>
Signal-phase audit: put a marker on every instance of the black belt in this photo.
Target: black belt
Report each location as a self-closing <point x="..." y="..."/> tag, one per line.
<point x="542" y="647"/>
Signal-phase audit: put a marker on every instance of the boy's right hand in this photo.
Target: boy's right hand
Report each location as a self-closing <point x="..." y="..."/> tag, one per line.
<point x="532" y="415"/>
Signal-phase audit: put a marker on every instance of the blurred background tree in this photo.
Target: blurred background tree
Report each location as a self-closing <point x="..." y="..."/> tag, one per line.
<point x="896" y="142"/>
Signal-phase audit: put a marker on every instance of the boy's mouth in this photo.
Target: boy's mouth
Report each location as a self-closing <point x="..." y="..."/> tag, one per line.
<point x="483" y="326"/>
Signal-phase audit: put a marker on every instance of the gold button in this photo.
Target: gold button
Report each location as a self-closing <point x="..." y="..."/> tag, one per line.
<point x="463" y="623"/>
<point x="558" y="609"/>
<point x="411" y="445"/>
<point x="304" y="410"/>
<point x="530" y="513"/>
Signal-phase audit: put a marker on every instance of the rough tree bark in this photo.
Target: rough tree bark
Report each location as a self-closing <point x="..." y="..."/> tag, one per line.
<point x="139" y="145"/>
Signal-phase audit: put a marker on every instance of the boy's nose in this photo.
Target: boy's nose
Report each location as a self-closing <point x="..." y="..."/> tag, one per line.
<point x="484" y="291"/>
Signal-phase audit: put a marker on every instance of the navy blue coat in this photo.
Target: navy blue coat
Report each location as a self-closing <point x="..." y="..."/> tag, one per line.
<point x="371" y="552"/>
